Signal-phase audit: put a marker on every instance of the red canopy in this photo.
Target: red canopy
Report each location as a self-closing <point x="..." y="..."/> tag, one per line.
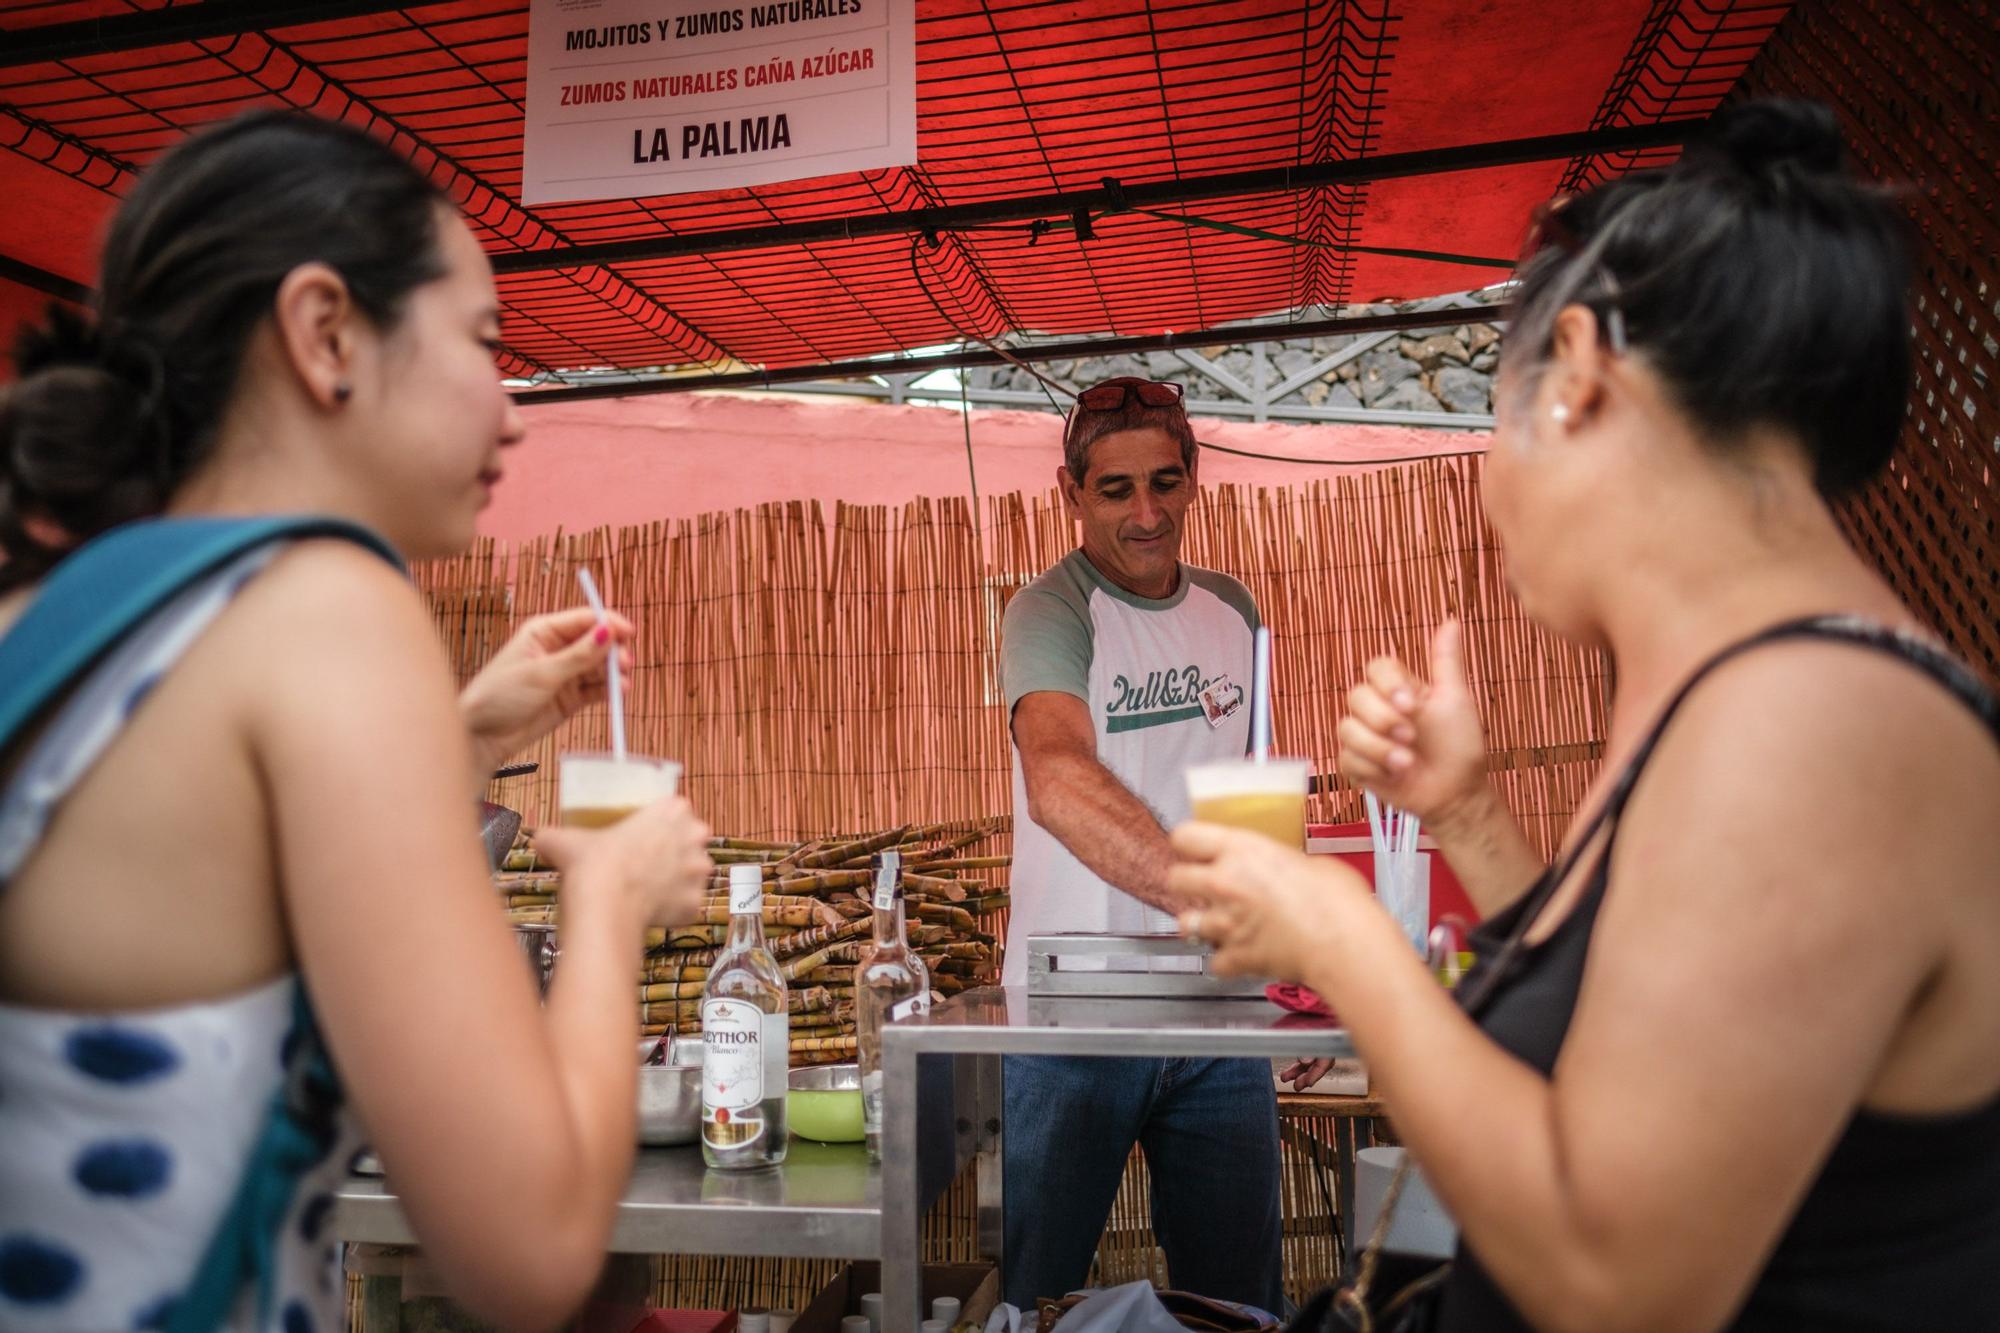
<point x="1331" y="130"/>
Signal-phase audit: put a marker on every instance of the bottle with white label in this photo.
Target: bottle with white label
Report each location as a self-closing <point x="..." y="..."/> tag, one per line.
<point x="746" y="1040"/>
<point x="890" y="982"/>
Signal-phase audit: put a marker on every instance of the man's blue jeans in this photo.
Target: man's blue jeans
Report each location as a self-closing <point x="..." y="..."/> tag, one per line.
<point x="1209" y="1129"/>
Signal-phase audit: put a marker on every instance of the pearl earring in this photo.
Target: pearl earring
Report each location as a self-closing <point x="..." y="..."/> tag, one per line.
<point x="1560" y="412"/>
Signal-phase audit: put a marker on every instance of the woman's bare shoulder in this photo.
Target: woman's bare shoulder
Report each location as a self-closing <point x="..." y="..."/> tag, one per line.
<point x="1826" y="764"/>
<point x="326" y="615"/>
<point x="322" y="588"/>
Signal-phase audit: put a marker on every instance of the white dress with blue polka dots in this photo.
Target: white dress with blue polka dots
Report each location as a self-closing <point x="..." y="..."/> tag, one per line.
<point x="123" y="1136"/>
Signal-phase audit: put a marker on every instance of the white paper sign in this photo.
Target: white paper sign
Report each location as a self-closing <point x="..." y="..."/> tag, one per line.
<point x="628" y="98"/>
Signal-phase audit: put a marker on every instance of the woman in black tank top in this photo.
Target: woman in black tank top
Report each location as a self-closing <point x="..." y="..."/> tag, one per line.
<point x="1733" y="1061"/>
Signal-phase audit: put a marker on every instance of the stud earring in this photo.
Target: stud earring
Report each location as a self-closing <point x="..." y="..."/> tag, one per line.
<point x="1560" y="412"/>
<point x="342" y="391"/>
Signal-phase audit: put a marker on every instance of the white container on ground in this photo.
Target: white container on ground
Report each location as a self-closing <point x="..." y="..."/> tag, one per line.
<point x="1420" y="1225"/>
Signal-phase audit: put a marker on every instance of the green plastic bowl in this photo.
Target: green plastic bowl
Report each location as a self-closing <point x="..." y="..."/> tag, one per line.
<point x="824" y="1104"/>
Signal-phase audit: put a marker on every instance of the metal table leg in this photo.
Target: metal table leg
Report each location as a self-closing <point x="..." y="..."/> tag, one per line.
<point x="1354" y="1134"/>
<point x="992" y="1179"/>
<point x="902" y="1212"/>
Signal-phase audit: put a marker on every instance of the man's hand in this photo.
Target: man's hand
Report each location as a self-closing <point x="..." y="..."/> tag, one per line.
<point x="1302" y="1074"/>
<point x="1075" y="797"/>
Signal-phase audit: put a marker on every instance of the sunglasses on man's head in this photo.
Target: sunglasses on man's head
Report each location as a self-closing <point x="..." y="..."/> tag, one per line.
<point x="1114" y="394"/>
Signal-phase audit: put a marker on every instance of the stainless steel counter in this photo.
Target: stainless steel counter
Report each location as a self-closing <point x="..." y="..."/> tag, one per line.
<point x="1014" y="1022"/>
<point x="825" y="1202"/>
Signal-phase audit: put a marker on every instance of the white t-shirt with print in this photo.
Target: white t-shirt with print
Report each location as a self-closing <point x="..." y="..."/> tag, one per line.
<point x="1141" y="665"/>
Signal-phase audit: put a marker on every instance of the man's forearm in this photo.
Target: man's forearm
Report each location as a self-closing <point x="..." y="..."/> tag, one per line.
<point x="1105" y="826"/>
<point x="1487" y="850"/>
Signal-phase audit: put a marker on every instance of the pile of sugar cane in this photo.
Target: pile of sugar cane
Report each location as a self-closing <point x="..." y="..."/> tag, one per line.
<point x="816" y="920"/>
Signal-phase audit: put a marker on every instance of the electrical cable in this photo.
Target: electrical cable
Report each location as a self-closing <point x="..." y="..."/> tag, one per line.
<point x="971" y="470"/>
<point x="1338" y="462"/>
<point x="964" y="333"/>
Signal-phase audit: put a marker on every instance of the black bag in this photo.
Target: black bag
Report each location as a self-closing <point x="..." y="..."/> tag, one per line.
<point x="1417" y="1283"/>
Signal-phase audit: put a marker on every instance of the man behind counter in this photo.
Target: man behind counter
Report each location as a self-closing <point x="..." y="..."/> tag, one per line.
<point x="1122" y="666"/>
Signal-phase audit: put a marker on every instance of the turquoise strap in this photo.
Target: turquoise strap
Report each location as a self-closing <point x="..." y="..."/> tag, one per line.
<point x="298" y="1132"/>
<point x="107" y="587"/>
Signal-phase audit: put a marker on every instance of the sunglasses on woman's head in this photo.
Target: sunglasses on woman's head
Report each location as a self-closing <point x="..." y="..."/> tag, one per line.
<point x="1555" y="222"/>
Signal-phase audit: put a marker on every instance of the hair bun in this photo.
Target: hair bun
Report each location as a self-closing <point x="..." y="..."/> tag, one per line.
<point x="81" y="447"/>
<point x="1775" y="142"/>
<point x="63" y="338"/>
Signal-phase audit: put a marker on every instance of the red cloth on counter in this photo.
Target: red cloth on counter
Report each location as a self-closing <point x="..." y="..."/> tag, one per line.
<point x="1297" y="999"/>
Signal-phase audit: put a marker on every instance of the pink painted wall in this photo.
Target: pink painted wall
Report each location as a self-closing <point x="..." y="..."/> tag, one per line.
<point x="636" y="460"/>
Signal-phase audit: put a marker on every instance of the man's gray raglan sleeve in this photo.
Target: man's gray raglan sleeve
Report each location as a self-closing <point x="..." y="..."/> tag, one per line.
<point x="1044" y="645"/>
<point x="1232" y="592"/>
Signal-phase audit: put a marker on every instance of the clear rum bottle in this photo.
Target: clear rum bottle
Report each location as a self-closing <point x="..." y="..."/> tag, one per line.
<point x="890" y="982"/>
<point x="746" y="1040"/>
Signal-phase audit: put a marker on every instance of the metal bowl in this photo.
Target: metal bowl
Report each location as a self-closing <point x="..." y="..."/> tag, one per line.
<point x="538" y="944"/>
<point x="827" y="1078"/>
<point x="670" y="1096"/>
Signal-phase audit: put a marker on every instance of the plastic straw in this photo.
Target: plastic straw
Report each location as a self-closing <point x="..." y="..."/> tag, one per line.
<point x="617" y="686"/>
<point x="1260" y="694"/>
<point x="1393" y="833"/>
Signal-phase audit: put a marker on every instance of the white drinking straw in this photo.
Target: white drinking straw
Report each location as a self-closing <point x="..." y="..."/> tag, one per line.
<point x="1260" y="694"/>
<point x="617" y="687"/>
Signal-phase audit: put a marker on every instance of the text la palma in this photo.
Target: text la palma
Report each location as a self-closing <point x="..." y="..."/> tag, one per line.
<point x="715" y="138"/>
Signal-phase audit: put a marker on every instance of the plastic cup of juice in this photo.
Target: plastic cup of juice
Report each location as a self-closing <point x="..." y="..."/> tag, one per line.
<point x="599" y="788"/>
<point x="1265" y="796"/>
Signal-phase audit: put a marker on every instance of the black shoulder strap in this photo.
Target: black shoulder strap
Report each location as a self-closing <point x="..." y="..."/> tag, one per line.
<point x="1931" y="660"/>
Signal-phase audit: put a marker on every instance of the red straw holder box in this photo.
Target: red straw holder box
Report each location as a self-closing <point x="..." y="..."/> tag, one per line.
<point x="1350" y="843"/>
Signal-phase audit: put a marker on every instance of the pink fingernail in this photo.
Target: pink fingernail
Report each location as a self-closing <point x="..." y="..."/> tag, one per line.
<point x="603" y="634"/>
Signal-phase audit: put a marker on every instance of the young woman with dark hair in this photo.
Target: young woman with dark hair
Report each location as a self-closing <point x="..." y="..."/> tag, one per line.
<point x="260" y="791"/>
<point x="1734" y="1059"/>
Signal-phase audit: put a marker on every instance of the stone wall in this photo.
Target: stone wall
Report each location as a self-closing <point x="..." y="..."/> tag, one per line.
<point x="1446" y="370"/>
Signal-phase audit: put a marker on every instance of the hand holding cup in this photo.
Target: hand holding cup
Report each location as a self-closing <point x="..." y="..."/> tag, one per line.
<point x="1266" y="908"/>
